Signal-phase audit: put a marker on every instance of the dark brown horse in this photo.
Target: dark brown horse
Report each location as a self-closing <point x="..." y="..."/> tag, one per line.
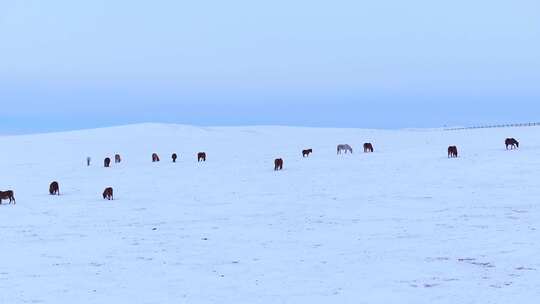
<point x="368" y="147"/>
<point x="107" y="162"/>
<point x="54" y="188"/>
<point x="452" y="152"/>
<point x="512" y="143"/>
<point x="174" y="157"/>
<point x="155" y="157"/>
<point x="108" y="193"/>
<point x="4" y="195"/>
<point x="201" y="156"/>
<point x="278" y="164"/>
<point x="307" y="152"/>
<point x="117" y="158"/>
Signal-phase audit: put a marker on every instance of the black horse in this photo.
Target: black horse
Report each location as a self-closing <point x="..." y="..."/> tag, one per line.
<point x="512" y="143"/>
<point x="54" y="188"/>
<point x="278" y="164"/>
<point x="4" y="195"/>
<point x="368" y="148"/>
<point x="452" y="152"/>
<point x="108" y="193"/>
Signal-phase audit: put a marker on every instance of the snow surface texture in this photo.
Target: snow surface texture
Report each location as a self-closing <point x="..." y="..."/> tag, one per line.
<point x="402" y="225"/>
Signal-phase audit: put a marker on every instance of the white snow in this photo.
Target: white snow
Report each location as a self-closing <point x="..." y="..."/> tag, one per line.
<point x="402" y="225"/>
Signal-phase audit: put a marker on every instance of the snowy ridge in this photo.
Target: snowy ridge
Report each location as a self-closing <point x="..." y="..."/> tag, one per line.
<point x="402" y="225"/>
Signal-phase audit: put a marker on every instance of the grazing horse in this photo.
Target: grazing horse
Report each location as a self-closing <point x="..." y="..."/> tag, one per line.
<point x="345" y="148"/>
<point x="278" y="164"/>
<point x="307" y="152"/>
<point x="4" y="195"/>
<point x="174" y="157"/>
<point x="107" y="162"/>
<point x="117" y="159"/>
<point x="452" y="152"/>
<point x="201" y="156"/>
<point x="54" y="188"/>
<point x="108" y="193"/>
<point x="155" y="157"/>
<point x="512" y="143"/>
<point x="368" y="147"/>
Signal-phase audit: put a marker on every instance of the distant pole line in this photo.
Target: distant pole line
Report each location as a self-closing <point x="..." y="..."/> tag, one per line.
<point x="530" y="124"/>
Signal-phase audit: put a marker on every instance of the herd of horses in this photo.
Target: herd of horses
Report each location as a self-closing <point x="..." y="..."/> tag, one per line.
<point x="54" y="187"/>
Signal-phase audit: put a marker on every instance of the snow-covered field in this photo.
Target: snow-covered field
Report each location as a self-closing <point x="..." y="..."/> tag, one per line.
<point x="402" y="225"/>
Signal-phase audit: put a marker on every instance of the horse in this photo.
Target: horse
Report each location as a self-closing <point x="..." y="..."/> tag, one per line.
<point x="54" y="188"/>
<point x="107" y="162"/>
<point x="368" y="147"/>
<point x="155" y="157"/>
<point x="117" y="159"/>
<point x="174" y="157"/>
<point x="345" y="148"/>
<point x="452" y="152"/>
<point x="201" y="156"/>
<point x="512" y="143"/>
<point x="4" y="195"/>
<point x="307" y="152"/>
<point x="278" y="164"/>
<point x="108" y="193"/>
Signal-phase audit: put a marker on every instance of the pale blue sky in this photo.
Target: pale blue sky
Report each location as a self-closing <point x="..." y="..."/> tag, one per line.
<point x="387" y="64"/>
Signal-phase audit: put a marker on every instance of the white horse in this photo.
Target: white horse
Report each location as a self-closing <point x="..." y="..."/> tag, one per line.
<point x="345" y="148"/>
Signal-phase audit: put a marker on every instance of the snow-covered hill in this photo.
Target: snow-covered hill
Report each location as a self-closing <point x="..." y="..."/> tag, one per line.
<point x="402" y="225"/>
